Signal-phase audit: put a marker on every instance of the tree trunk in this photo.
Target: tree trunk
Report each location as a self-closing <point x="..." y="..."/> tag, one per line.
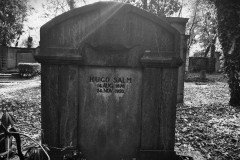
<point x="207" y="50"/>
<point x="229" y="36"/>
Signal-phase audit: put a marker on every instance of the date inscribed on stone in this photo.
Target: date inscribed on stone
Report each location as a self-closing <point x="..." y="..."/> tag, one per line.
<point x="110" y="84"/>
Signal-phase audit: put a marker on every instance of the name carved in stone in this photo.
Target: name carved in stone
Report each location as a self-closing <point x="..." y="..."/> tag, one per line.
<point x="110" y="84"/>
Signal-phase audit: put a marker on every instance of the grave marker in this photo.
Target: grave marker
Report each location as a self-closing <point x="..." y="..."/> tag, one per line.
<point x="109" y="83"/>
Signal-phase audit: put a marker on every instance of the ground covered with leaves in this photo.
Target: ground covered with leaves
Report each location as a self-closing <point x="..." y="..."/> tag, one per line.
<point x="22" y="98"/>
<point x="206" y="128"/>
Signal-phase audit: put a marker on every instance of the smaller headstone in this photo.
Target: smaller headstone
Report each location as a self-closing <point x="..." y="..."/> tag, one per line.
<point x="203" y="74"/>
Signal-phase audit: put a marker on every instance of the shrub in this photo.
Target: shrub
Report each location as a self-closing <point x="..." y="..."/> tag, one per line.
<point x="28" y="70"/>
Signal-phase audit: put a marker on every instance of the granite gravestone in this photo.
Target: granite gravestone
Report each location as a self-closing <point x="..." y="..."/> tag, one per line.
<point x="109" y="83"/>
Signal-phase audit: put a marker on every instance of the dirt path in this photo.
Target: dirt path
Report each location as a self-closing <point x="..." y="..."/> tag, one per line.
<point x="10" y="86"/>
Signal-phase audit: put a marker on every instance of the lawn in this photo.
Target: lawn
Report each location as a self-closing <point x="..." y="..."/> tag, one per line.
<point x="206" y="127"/>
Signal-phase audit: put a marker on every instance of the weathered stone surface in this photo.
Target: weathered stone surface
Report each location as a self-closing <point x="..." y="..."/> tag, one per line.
<point x="109" y="82"/>
<point x="180" y="25"/>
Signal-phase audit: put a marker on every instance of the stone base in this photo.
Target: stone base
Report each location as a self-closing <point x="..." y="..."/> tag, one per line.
<point x="181" y="157"/>
<point x="143" y="155"/>
<point x="157" y="155"/>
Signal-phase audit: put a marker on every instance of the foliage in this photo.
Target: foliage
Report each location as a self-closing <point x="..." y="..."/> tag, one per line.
<point x="228" y="18"/>
<point x="52" y="8"/>
<point x="157" y="7"/>
<point x="12" y="16"/>
<point x="201" y="26"/>
<point x="29" y="69"/>
<point x="7" y="132"/>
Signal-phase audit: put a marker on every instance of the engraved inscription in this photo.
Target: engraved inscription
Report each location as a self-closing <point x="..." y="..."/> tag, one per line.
<point x="110" y="84"/>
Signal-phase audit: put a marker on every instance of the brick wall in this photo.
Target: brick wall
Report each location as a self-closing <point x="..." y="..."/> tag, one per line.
<point x="11" y="56"/>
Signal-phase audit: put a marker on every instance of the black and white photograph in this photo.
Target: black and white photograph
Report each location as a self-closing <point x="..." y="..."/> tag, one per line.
<point x="119" y="79"/>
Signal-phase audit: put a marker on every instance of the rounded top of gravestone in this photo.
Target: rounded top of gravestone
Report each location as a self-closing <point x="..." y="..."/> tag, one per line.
<point x="108" y="7"/>
<point x="108" y="34"/>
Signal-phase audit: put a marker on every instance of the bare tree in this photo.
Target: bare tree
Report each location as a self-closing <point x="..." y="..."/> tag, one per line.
<point x="56" y="7"/>
<point x="201" y="27"/>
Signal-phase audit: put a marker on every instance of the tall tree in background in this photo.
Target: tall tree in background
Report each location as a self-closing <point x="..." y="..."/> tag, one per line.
<point x="56" y="7"/>
<point x="201" y="27"/>
<point x="228" y="18"/>
<point x="157" y="7"/>
<point x="12" y="16"/>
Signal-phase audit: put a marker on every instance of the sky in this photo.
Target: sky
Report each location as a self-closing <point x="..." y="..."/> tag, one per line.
<point x="37" y="5"/>
<point x="36" y="19"/>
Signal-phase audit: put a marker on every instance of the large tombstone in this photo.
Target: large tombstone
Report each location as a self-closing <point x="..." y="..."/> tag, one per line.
<point x="109" y="83"/>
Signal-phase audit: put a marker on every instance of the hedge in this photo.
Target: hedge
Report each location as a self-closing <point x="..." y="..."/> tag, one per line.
<point x="28" y="70"/>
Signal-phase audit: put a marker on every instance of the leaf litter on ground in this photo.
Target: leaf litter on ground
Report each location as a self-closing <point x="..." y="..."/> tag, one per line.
<point x="206" y="124"/>
<point x="23" y="100"/>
